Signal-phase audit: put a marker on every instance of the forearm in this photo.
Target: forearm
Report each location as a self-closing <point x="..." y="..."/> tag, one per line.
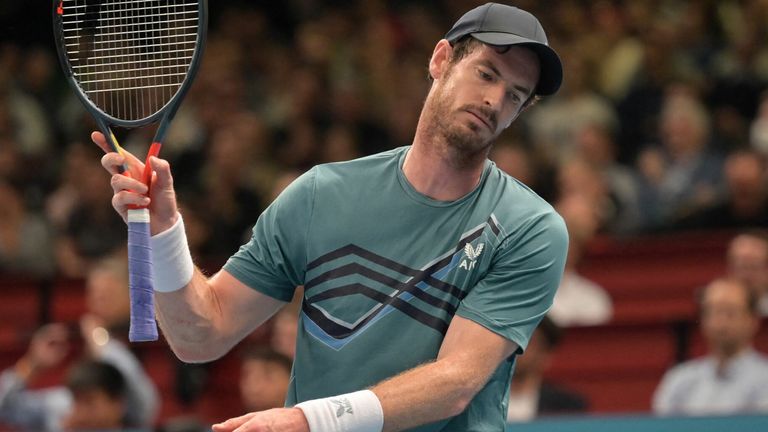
<point x="426" y="394"/>
<point x="202" y="318"/>
<point x="435" y="391"/>
<point x="186" y="303"/>
<point x="191" y="320"/>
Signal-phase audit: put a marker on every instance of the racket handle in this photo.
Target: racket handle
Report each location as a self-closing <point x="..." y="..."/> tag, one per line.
<point x="143" y="326"/>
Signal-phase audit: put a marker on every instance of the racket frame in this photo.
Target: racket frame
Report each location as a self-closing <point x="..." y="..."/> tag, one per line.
<point x="168" y="110"/>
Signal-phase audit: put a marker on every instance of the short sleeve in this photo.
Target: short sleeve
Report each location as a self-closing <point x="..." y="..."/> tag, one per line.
<point x="518" y="289"/>
<point x="273" y="262"/>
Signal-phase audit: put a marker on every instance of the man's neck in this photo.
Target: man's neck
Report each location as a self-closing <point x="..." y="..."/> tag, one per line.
<point x="433" y="171"/>
<point x="724" y="357"/>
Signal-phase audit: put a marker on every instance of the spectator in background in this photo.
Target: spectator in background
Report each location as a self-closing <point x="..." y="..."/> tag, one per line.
<point x="579" y="301"/>
<point x="554" y="123"/>
<point x="93" y="398"/>
<point x="42" y="410"/>
<point x="526" y="164"/>
<point x="26" y="117"/>
<point x="516" y="160"/>
<point x="616" y="52"/>
<point x="85" y="230"/>
<point x="101" y="329"/>
<point x="681" y="175"/>
<point x="25" y="237"/>
<point x="264" y="377"/>
<point x="746" y="201"/>
<point x="595" y="144"/>
<point x="748" y="262"/>
<point x="99" y="398"/>
<point x="230" y="197"/>
<point x="732" y="377"/>
<point x="530" y="395"/>
<point x="579" y="178"/>
<point x="104" y="329"/>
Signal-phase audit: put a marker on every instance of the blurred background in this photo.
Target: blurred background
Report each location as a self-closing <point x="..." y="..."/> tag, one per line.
<point x="654" y="151"/>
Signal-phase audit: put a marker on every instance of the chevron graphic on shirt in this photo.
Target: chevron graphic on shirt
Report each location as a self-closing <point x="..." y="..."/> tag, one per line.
<point x="412" y="283"/>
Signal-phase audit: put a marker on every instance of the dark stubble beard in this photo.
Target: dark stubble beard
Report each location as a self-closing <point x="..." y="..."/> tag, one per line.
<point x="461" y="146"/>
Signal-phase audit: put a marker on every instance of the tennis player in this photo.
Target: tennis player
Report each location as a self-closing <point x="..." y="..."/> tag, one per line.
<point x="426" y="268"/>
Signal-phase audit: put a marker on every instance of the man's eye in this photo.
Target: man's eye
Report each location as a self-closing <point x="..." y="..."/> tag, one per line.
<point x="484" y="75"/>
<point x="514" y="97"/>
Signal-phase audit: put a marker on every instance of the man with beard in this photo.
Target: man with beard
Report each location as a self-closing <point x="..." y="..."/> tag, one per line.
<point x="733" y="377"/>
<point x="425" y="268"/>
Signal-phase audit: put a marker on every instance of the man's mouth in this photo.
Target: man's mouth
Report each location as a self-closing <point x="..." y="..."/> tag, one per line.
<point x="484" y="119"/>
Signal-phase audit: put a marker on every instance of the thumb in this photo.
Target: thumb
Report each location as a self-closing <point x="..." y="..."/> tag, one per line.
<point x="163" y="179"/>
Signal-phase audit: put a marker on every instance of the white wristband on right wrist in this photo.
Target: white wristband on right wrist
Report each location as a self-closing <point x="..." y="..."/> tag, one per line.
<point x="171" y="260"/>
<point x="352" y="412"/>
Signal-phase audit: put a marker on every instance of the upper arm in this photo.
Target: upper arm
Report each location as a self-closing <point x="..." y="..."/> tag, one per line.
<point x="241" y="308"/>
<point x="263" y="275"/>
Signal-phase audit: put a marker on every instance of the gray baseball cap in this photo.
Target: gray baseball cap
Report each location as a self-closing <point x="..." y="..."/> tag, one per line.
<point x="498" y="24"/>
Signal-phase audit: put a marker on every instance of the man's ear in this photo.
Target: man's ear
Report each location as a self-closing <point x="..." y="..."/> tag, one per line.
<point x="441" y="56"/>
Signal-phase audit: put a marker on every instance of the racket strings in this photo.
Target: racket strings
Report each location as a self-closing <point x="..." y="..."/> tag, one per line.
<point x="130" y="57"/>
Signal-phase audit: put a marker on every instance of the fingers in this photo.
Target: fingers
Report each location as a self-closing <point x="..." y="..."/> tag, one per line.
<point x="162" y="168"/>
<point x="120" y="182"/>
<point x="233" y="423"/>
<point x="99" y="139"/>
<point x="112" y="162"/>
<point x="124" y="199"/>
<point x="127" y="192"/>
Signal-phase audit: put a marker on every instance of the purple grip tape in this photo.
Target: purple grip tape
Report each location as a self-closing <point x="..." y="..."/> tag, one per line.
<point x="143" y="326"/>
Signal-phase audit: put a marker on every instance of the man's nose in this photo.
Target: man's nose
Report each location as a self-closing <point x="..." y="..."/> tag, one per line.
<point x="494" y="96"/>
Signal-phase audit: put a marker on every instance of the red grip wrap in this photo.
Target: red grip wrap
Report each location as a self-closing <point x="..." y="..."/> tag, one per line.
<point x="146" y="176"/>
<point x="154" y="150"/>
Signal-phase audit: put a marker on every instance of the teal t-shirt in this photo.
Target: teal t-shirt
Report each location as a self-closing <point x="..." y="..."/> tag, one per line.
<point x="386" y="268"/>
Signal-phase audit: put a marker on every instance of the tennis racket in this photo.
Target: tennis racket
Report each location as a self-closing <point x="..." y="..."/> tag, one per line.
<point x="131" y="62"/>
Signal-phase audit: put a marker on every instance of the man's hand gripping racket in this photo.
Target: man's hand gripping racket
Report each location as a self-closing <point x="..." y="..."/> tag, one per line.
<point x="130" y="64"/>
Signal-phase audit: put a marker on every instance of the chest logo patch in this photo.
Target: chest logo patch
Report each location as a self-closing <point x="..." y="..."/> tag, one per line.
<point x="471" y="255"/>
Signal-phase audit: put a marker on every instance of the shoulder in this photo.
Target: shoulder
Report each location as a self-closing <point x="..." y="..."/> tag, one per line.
<point x="364" y="166"/>
<point x="516" y="202"/>
<point x="520" y="212"/>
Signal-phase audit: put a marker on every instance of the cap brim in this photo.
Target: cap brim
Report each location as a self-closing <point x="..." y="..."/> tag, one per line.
<point x="551" y="75"/>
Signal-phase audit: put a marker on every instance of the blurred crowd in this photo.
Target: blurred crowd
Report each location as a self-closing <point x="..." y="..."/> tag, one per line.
<point x="662" y="122"/>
